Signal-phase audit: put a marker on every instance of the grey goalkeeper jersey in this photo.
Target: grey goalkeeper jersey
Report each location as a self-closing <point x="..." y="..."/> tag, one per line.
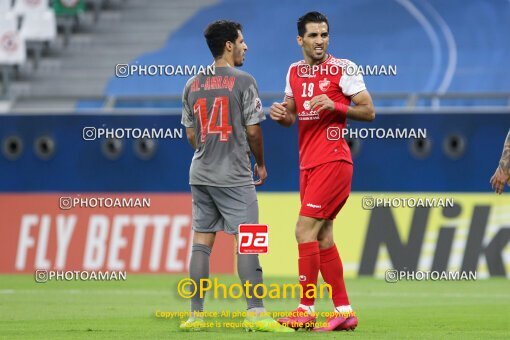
<point x="219" y="108"/>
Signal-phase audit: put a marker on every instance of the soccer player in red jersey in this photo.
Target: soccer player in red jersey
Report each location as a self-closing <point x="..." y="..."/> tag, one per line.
<point x="318" y="93"/>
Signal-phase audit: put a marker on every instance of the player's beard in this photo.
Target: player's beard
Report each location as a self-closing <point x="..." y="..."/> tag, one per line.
<point x="317" y="57"/>
<point x="320" y="56"/>
<point x="238" y="57"/>
<point x="314" y="56"/>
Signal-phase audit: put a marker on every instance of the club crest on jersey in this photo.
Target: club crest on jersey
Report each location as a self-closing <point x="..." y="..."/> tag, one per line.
<point x="324" y="84"/>
<point x="258" y="105"/>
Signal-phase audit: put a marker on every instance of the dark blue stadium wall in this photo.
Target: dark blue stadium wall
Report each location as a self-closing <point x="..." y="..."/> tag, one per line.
<point x="381" y="165"/>
<point x="455" y="45"/>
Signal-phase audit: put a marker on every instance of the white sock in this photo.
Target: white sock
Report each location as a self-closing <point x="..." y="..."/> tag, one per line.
<point x="343" y="309"/>
<point x="309" y="309"/>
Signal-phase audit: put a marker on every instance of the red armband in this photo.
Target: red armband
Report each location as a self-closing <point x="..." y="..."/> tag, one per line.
<point x="341" y="108"/>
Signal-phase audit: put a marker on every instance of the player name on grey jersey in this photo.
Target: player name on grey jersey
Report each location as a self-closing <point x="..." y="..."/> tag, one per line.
<point x="218" y="108"/>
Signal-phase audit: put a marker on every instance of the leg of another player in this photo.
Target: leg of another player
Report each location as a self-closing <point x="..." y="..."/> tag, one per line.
<point x="249" y="270"/>
<point x="198" y="269"/>
<point x="199" y="264"/>
<point x="307" y="230"/>
<point x="257" y="319"/>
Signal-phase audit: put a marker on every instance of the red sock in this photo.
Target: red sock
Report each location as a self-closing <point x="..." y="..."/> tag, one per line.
<point x="333" y="273"/>
<point x="308" y="263"/>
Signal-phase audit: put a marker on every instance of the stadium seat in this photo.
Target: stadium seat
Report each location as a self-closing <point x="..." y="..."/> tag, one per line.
<point x="12" y="45"/>
<point x="68" y="7"/>
<point x="5" y="6"/>
<point x="39" y="26"/>
<point x="67" y="12"/>
<point x="21" y="7"/>
<point x="12" y="48"/>
<point x="38" y="20"/>
<point x="95" y="5"/>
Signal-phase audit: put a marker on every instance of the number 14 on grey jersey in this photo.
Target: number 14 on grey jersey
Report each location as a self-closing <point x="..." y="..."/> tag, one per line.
<point x="219" y="108"/>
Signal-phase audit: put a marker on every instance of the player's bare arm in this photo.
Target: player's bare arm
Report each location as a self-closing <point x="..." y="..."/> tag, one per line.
<point x="502" y="174"/>
<point x="363" y="108"/>
<point x="284" y="113"/>
<point x="255" y="141"/>
<point x="190" y="134"/>
<point x="504" y="162"/>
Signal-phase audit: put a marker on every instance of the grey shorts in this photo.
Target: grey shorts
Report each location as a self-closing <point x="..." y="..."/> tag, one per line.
<point x="223" y="209"/>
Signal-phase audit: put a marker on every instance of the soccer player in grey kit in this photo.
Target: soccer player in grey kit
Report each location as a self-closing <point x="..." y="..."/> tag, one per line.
<point x="222" y="115"/>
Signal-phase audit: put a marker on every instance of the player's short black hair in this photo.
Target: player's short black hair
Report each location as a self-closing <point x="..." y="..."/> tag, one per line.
<point x="310" y="17"/>
<point x="218" y="33"/>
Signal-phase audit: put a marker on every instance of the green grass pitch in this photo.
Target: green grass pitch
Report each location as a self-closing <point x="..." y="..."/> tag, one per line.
<point x="122" y="310"/>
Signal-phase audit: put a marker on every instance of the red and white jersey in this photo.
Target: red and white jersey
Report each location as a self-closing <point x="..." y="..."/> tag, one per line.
<point x="319" y="134"/>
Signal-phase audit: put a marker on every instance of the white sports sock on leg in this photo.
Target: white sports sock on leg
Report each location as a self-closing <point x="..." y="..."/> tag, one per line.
<point x="343" y="309"/>
<point x="309" y="309"/>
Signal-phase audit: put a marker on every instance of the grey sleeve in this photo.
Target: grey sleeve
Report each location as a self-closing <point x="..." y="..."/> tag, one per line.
<point x="252" y="105"/>
<point x="187" y="114"/>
